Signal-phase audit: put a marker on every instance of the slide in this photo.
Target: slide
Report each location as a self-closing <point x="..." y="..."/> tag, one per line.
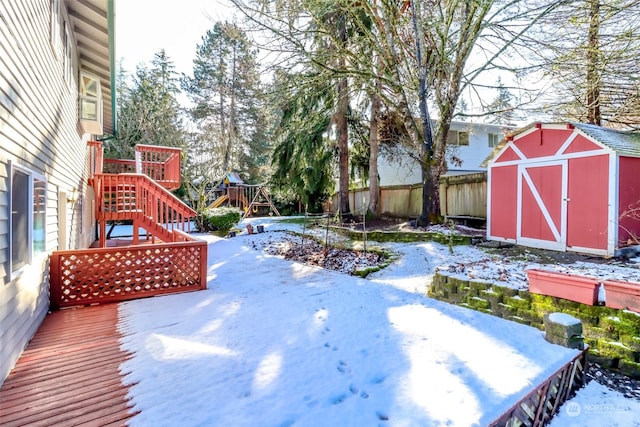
<point x="219" y="201"/>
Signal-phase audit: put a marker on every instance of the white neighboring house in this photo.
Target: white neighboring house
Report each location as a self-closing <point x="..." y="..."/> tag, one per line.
<point x="56" y="80"/>
<point x="469" y="145"/>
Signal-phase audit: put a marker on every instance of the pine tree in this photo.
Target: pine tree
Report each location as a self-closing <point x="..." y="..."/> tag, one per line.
<point x="226" y="95"/>
<point x="501" y="109"/>
<point x="148" y="110"/>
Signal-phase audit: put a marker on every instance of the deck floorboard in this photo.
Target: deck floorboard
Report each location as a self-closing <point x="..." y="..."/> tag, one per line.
<point x="70" y="373"/>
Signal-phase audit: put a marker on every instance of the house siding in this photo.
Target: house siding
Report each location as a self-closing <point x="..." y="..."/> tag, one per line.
<point x="397" y="166"/>
<point x="39" y="131"/>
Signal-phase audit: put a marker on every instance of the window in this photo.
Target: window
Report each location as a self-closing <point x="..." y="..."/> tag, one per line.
<point x="457" y="138"/>
<point x="54" y="28"/>
<point x="28" y="205"/>
<point x="90" y="104"/>
<point x="494" y="139"/>
<point x="68" y="63"/>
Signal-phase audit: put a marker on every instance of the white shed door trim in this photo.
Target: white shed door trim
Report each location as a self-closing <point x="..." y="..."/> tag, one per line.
<point x="525" y="181"/>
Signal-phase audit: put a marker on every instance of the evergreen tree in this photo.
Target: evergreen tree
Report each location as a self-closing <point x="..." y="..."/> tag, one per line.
<point x="148" y="110"/>
<point x="302" y="157"/>
<point x="501" y="109"/>
<point x="226" y="95"/>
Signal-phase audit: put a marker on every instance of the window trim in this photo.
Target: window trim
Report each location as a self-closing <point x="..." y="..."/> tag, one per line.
<point x="31" y="254"/>
<point x="497" y="139"/>
<point x="90" y="124"/>
<point x="68" y="56"/>
<point x="55" y="28"/>
<point x="455" y="141"/>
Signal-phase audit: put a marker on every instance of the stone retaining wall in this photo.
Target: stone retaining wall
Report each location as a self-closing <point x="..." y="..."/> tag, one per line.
<point x="613" y="336"/>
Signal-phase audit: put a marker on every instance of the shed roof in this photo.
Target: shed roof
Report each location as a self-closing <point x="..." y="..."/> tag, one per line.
<point x="625" y="143"/>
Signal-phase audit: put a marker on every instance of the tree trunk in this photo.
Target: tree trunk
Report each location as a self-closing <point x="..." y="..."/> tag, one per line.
<point x="342" y="128"/>
<point x="343" y="146"/>
<point x="593" y="79"/>
<point x="374" y="183"/>
<point x="426" y="154"/>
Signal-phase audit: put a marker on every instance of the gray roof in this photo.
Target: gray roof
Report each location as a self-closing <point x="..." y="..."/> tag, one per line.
<point x="625" y="143"/>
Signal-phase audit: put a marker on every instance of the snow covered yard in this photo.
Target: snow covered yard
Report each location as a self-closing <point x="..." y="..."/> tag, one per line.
<point x="277" y="343"/>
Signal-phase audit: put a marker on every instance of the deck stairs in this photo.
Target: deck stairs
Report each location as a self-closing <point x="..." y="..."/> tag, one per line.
<point x="139" y="191"/>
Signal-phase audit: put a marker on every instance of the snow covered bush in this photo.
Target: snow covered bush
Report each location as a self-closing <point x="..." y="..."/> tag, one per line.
<point x="220" y="219"/>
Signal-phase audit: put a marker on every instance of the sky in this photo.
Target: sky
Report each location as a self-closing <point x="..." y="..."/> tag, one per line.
<point x="272" y="342"/>
<point x="143" y="27"/>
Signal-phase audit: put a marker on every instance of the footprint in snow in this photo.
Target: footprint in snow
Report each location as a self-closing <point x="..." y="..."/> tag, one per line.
<point x="382" y="416"/>
<point x="379" y="379"/>
<point x="344" y="367"/>
<point x="336" y="400"/>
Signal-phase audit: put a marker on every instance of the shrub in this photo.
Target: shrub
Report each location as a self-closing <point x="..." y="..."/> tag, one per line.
<point x="219" y="219"/>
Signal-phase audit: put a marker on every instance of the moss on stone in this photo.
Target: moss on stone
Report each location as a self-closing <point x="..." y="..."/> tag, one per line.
<point x="615" y="350"/>
<point x="520" y="320"/>
<point x="629" y="368"/>
<point x="598" y="333"/>
<point x="630" y="316"/>
<point x="524" y="294"/>
<point x="531" y="316"/>
<point x="457" y="298"/>
<point x="633" y="342"/>
<point x="518" y="302"/>
<point x="468" y="291"/>
<point x="505" y="310"/>
<point x="457" y="282"/>
<point x="611" y="342"/>
<point x="403" y="236"/>
<point x="365" y="271"/>
<point x="479" y="285"/>
<point x="621" y="327"/>
<point x="479" y="303"/>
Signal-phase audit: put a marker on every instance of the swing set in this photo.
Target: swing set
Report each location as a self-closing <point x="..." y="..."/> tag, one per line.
<point x="251" y="199"/>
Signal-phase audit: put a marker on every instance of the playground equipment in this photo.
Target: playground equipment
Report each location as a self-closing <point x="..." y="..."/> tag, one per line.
<point x="251" y="199"/>
<point x="219" y="201"/>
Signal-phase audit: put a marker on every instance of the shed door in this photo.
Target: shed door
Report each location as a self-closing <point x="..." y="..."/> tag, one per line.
<point x="542" y="205"/>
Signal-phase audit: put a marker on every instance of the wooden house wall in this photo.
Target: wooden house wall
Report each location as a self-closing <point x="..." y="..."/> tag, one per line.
<point x="39" y="131"/>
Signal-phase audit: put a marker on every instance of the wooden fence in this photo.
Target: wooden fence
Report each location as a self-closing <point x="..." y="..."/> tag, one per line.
<point x="464" y="196"/>
<point x="538" y="407"/>
<point x="461" y="196"/>
<point x="101" y="275"/>
<point x="399" y="201"/>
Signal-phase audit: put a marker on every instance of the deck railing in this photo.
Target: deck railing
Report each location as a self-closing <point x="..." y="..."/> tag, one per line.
<point x="118" y="166"/>
<point x="161" y="164"/>
<point x="101" y="275"/>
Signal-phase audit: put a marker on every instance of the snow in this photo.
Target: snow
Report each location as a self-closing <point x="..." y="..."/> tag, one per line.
<point x="595" y="406"/>
<point x="563" y="319"/>
<point x="273" y="342"/>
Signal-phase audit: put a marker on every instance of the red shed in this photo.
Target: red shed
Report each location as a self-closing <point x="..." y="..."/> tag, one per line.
<point x="565" y="186"/>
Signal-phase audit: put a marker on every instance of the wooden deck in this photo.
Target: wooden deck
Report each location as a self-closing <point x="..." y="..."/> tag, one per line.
<point x="69" y="374"/>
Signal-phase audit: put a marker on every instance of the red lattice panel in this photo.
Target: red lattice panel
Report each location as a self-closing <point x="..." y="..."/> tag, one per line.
<point x="103" y="275"/>
<point x="538" y="407"/>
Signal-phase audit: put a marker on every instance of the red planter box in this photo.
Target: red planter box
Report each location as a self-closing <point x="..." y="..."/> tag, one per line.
<point x="621" y="294"/>
<point x="582" y="289"/>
